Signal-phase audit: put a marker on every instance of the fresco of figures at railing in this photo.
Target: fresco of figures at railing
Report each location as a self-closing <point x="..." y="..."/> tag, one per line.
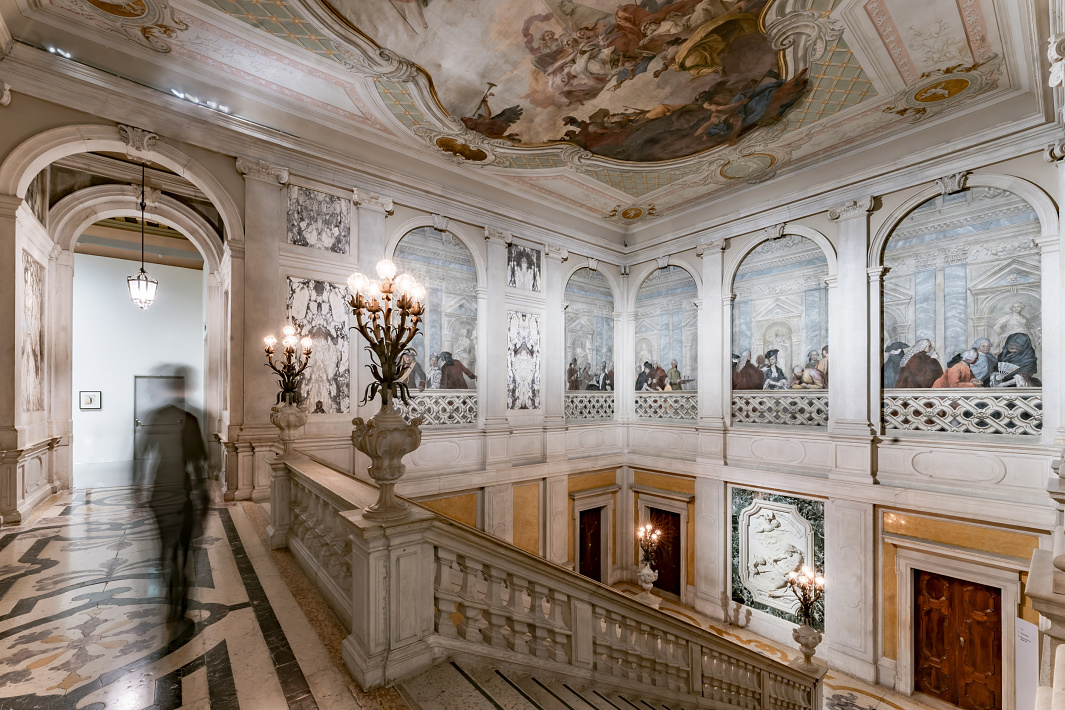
<point x="667" y="357"/>
<point x="789" y="408"/>
<point x="975" y="411"/>
<point x="667" y="405"/>
<point x="440" y="407"/>
<point x="589" y="405"/>
<point x="962" y="304"/>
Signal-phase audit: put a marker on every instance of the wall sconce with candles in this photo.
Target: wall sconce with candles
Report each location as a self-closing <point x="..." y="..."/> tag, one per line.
<point x="289" y="417"/>
<point x="387" y="313"/>
<point x="648" y="538"/>
<point x="808" y="588"/>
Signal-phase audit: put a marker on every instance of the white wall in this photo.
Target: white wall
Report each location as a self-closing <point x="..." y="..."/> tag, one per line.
<point x="114" y="340"/>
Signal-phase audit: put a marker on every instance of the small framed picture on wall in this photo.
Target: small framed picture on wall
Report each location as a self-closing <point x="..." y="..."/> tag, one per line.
<point x="90" y="400"/>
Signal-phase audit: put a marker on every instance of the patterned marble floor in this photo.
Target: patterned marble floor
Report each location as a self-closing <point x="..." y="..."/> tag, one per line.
<point x="82" y="618"/>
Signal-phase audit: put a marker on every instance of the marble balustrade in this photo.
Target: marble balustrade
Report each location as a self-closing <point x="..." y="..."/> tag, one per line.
<point x="424" y="589"/>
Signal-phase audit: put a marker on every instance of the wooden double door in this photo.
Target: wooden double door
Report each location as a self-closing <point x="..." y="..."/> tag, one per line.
<point x="958" y="641"/>
<point x="667" y="556"/>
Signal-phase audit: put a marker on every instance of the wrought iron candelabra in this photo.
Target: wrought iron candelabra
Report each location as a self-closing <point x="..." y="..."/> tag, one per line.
<point x="387" y="313"/>
<point x="289" y="417"/>
<point x="808" y="588"/>
<point x="648" y="539"/>
<point x="290" y="371"/>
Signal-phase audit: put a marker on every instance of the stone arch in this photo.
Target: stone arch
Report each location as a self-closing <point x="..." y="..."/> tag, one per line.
<point x="453" y="227"/>
<point x="799" y="230"/>
<point x="75" y="212"/>
<point x="644" y="271"/>
<point x="615" y="287"/>
<point x="34" y="154"/>
<point x="1029" y="192"/>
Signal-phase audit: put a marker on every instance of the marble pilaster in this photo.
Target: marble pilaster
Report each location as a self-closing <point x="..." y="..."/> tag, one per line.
<point x="494" y="368"/>
<point x="714" y="364"/>
<point x="1052" y="267"/>
<point x="554" y="353"/>
<point x="711" y="553"/>
<point x="850" y="557"/>
<point x="848" y="305"/>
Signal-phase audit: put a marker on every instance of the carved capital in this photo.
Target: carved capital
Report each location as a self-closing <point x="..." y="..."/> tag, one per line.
<point x="366" y="200"/>
<point x="715" y="247"/>
<point x="852" y="209"/>
<point x="955" y="182"/>
<point x="139" y="142"/>
<point x="496" y="235"/>
<point x="1056" y="53"/>
<point x="9" y="205"/>
<point x="556" y="252"/>
<point x="593" y="264"/>
<point x="440" y="222"/>
<point x="235" y="249"/>
<point x="876" y="273"/>
<point x="1055" y="152"/>
<point x="625" y="269"/>
<point x="662" y="261"/>
<point x="262" y="171"/>
<point x="775" y="231"/>
<point x="54" y="252"/>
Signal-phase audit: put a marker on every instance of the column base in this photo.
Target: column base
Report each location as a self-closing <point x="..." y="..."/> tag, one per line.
<point x="854" y="454"/>
<point x="497" y="431"/>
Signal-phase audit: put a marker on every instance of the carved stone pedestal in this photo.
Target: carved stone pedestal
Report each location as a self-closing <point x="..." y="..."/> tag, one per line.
<point x="290" y="420"/>
<point x="386" y="439"/>
<point x="647" y="577"/>
<point x="807" y="637"/>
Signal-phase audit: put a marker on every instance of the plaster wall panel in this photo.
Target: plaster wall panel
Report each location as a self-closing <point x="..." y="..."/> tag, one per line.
<point x="462" y="508"/>
<point x="711" y="536"/>
<point x="527" y="522"/>
<point x="772" y="449"/>
<point x="670" y="442"/>
<point x="446" y="451"/>
<point x="499" y="511"/>
<point x="591" y="440"/>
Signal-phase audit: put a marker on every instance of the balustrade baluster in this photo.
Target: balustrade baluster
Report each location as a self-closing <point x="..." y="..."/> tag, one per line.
<point x="516" y="604"/>
<point x="445" y="598"/>
<point x="470" y="604"/>
<point x="540" y="629"/>
<point x="560" y="632"/>
<point x="496" y="613"/>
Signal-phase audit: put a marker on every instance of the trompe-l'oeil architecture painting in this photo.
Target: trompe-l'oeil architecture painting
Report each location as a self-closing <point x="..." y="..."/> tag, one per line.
<point x="961" y="303"/>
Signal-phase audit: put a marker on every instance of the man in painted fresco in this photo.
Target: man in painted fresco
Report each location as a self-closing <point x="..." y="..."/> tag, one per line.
<point x="674" y="376"/>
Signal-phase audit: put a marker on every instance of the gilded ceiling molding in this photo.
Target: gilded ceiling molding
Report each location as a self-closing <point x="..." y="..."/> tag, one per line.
<point x="139" y="142"/>
<point x="955" y="182"/>
<point x="262" y="170"/>
<point x="1056" y="53"/>
<point x="803" y="36"/>
<point x="149" y="23"/>
<point x="852" y="209"/>
<point x="366" y="200"/>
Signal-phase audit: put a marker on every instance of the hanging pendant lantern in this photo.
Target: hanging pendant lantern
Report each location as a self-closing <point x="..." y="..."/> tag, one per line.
<point x="142" y="287"/>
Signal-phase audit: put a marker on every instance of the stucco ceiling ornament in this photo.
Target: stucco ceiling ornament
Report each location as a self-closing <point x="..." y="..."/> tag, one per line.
<point x="140" y="144"/>
<point x="955" y="182"/>
<point x="803" y="36"/>
<point x="942" y="88"/>
<point x="149" y="23"/>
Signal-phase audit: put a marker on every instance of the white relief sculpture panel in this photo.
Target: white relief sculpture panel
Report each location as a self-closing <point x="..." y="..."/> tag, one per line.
<point x="774" y="540"/>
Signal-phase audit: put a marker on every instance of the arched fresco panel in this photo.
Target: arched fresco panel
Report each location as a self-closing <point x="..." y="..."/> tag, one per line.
<point x="666" y="325"/>
<point x="589" y="332"/>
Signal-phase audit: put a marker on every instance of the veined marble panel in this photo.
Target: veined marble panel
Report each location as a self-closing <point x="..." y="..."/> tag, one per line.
<point x="523" y="267"/>
<point x="321" y="310"/>
<point x="318" y="220"/>
<point x="32" y="334"/>
<point x="523" y="360"/>
<point x="773" y="534"/>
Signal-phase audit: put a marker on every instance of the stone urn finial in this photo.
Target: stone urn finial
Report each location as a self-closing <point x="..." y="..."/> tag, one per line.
<point x="386" y="439"/>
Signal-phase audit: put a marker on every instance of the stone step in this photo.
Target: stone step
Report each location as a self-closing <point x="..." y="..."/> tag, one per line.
<point x="445" y="686"/>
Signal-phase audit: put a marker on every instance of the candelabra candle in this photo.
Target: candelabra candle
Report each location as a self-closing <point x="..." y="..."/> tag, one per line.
<point x="387" y="313"/>
<point x="808" y="588"/>
<point x="648" y="539"/>
<point x="290" y="370"/>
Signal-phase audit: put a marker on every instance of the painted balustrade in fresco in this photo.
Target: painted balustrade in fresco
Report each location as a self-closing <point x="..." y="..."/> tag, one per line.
<point x="440" y="407"/>
<point x="589" y="405"/>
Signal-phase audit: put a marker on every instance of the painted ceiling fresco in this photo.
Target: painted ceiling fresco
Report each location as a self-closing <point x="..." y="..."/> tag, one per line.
<point x="641" y="82"/>
<point x="620" y="111"/>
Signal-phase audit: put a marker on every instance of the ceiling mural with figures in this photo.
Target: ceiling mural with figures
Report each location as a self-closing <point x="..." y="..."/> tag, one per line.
<point x="620" y="112"/>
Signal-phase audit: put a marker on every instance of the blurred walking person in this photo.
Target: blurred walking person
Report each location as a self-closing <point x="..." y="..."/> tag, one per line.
<point x="173" y="484"/>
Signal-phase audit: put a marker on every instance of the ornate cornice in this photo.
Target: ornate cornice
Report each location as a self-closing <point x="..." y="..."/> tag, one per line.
<point x="955" y="182"/>
<point x="499" y="236"/>
<point x="556" y="252"/>
<point x="262" y="171"/>
<point x="139" y="142"/>
<point x="852" y="209"/>
<point x="366" y="200"/>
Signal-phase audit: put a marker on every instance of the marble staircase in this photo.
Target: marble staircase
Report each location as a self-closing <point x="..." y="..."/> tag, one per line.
<point x="450" y="686"/>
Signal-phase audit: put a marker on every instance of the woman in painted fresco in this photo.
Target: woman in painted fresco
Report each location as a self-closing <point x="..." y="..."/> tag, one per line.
<point x="775" y="379"/>
<point x="890" y="373"/>
<point x="745" y="376"/>
<point x="1019" y="353"/>
<point x="919" y="367"/>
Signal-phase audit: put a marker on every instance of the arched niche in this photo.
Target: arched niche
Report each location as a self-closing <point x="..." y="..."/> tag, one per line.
<point x="667" y="330"/>
<point x="441" y="262"/>
<point x="962" y="271"/>
<point x="589" y="331"/>
<point x="780" y="314"/>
